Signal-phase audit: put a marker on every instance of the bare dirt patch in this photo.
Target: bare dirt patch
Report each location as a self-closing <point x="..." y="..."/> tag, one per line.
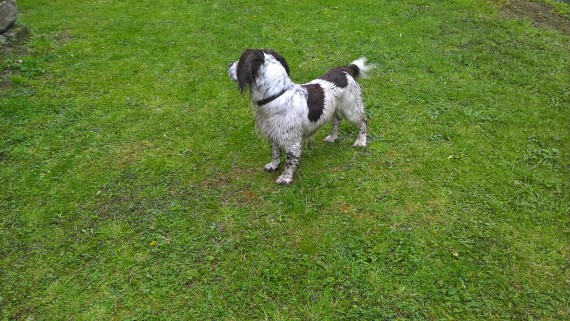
<point x="63" y="37"/>
<point x="5" y="81"/>
<point x="540" y="14"/>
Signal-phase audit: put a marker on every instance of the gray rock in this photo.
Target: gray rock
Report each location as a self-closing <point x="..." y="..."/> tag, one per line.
<point x="8" y="14"/>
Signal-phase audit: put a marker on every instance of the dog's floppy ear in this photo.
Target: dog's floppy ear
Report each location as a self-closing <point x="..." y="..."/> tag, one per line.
<point x="248" y="66"/>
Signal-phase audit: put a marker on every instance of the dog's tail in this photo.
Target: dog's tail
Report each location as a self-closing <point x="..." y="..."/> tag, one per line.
<point x="359" y="67"/>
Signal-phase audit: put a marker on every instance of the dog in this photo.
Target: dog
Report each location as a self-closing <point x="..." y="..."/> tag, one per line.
<point x="287" y="113"/>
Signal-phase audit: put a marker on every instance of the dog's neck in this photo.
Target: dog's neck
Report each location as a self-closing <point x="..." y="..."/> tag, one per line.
<point x="270" y="83"/>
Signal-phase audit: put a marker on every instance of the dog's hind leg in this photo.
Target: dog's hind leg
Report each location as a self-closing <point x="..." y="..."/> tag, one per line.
<point x="275" y="158"/>
<point x="361" y="139"/>
<point x="292" y="162"/>
<point x="331" y="138"/>
<point x="357" y="116"/>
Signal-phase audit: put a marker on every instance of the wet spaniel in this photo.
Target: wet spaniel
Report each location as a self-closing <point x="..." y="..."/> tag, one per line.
<point x="286" y="112"/>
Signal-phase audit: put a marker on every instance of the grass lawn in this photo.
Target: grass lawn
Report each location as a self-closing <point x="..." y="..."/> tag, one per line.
<point x="131" y="172"/>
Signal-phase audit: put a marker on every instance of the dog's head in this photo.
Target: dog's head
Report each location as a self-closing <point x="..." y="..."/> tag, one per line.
<point x="255" y="62"/>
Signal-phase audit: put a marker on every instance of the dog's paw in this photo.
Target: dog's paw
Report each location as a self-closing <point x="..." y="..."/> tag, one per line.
<point x="330" y="139"/>
<point x="284" y="180"/>
<point x="359" y="143"/>
<point x="271" y="167"/>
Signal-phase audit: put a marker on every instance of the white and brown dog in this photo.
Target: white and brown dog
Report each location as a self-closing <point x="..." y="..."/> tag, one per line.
<point x="286" y="112"/>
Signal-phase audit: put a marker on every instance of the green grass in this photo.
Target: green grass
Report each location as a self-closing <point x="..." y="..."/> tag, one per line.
<point x="132" y="183"/>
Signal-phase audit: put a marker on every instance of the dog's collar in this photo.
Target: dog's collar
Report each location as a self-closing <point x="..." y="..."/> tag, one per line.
<point x="270" y="98"/>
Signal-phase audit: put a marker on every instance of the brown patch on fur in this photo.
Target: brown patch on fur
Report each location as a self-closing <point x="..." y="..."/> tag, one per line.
<point x="315" y="101"/>
<point x="352" y="70"/>
<point x="338" y="75"/>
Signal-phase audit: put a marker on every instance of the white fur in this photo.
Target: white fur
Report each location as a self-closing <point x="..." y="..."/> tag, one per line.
<point x="285" y="122"/>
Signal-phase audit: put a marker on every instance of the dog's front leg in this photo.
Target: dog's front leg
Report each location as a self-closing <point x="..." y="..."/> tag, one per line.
<point x="292" y="162"/>
<point x="275" y="157"/>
